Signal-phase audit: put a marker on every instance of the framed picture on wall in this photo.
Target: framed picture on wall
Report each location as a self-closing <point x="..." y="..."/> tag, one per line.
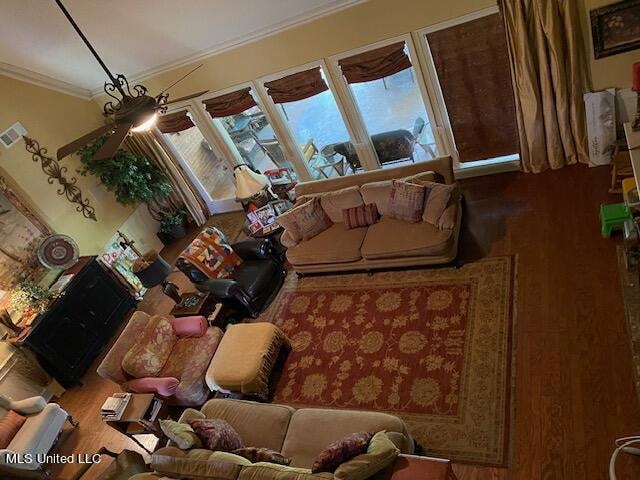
<point x="615" y="28"/>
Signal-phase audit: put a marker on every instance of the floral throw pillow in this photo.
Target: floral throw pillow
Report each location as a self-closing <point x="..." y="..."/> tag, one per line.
<point x="152" y="349"/>
<point x="311" y="219"/>
<point x="216" y="434"/>
<point x="406" y="201"/>
<point x="341" y="451"/>
<point x="259" y="454"/>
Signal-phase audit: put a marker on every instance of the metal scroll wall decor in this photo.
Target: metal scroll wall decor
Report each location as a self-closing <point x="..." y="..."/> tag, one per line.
<point x="55" y="171"/>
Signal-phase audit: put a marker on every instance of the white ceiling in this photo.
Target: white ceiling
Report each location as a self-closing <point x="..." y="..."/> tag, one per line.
<point x="136" y="37"/>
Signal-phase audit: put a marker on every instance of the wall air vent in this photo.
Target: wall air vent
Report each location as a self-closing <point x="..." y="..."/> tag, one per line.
<point x="12" y="135"/>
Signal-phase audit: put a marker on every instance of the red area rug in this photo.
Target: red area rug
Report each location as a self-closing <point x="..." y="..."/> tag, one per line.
<point x="431" y="346"/>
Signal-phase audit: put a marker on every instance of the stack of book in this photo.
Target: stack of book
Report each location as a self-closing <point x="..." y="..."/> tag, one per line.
<point x="113" y="408"/>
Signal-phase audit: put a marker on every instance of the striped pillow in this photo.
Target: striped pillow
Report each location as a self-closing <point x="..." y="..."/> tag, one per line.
<point x="361" y="216"/>
<point x="9" y="426"/>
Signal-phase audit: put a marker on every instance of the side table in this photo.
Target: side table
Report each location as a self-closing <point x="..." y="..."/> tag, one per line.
<point x="197" y="303"/>
<point x="141" y="417"/>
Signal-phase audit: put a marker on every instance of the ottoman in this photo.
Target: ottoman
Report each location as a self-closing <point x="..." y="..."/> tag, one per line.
<point x="245" y="357"/>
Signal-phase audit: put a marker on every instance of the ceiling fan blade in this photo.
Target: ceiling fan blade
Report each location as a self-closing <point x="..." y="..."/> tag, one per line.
<point x="180" y="79"/>
<point x="82" y="141"/>
<point x="187" y="97"/>
<point x="112" y="144"/>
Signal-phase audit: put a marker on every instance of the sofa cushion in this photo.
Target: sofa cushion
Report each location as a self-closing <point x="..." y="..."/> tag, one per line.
<point x="377" y="193"/>
<point x="437" y="199"/>
<point x="361" y="216"/>
<point x="181" y="434"/>
<point x="417" y="239"/>
<point x="341" y="451"/>
<point x="259" y="424"/>
<point x="287" y="220"/>
<point x="216" y="434"/>
<point x="10" y="423"/>
<point x="111" y="365"/>
<point x="406" y="201"/>
<point x="334" y="245"/>
<point x="271" y="471"/>
<point x="380" y="453"/>
<point x="147" y="357"/>
<point x="195" y="464"/>
<point x="330" y="425"/>
<point x="333" y="203"/>
<point x="261" y="454"/>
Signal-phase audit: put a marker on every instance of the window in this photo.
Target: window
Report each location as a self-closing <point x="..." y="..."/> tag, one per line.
<point x="383" y="84"/>
<point x="207" y="169"/>
<point x="310" y="109"/>
<point x="248" y="129"/>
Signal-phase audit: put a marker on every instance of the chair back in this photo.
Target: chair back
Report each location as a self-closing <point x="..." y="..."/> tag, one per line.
<point x="211" y="254"/>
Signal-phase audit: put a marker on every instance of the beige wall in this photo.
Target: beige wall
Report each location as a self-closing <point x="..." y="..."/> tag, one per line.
<point x="54" y="119"/>
<point x="613" y="71"/>
<point x="353" y="27"/>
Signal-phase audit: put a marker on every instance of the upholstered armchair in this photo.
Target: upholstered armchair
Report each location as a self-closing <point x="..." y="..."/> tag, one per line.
<point x="36" y="437"/>
<point x="163" y="355"/>
<point x="245" y="276"/>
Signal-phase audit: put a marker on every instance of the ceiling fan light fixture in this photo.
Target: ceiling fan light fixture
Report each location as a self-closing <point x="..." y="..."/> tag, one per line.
<point x="147" y="124"/>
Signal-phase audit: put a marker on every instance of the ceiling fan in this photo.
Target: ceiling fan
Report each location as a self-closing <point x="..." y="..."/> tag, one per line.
<point x="132" y="111"/>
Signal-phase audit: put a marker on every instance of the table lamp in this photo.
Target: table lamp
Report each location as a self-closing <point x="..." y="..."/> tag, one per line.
<point x="248" y="182"/>
<point x="636" y="88"/>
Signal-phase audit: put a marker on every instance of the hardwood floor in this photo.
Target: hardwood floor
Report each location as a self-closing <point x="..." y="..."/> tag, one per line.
<point x="574" y="392"/>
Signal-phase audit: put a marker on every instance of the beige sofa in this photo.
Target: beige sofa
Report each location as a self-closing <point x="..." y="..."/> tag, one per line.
<point x="386" y="244"/>
<point x="298" y="434"/>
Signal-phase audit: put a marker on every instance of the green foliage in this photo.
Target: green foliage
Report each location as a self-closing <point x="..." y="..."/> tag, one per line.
<point x="131" y="178"/>
<point x="29" y="295"/>
<point x="169" y="220"/>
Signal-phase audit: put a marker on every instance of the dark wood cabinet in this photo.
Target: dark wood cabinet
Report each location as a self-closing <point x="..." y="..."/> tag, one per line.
<point x="77" y="326"/>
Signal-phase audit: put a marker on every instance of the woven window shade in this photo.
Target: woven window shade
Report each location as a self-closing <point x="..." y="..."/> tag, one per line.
<point x="472" y="62"/>
<point x="174" y="122"/>
<point x="230" y="104"/>
<point x="375" y="64"/>
<point x="298" y="86"/>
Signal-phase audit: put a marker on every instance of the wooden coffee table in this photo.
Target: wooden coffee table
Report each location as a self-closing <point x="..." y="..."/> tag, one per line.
<point x="141" y="417"/>
<point x="197" y="303"/>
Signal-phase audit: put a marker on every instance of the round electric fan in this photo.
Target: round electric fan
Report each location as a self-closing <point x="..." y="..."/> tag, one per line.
<point x="58" y="251"/>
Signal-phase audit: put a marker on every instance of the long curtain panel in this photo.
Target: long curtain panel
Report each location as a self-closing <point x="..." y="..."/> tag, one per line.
<point x="549" y="79"/>
<point x="183" y="193"/>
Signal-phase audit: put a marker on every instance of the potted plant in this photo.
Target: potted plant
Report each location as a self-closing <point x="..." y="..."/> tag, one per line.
<point x="29" y="297"/>
<point x="173" y="223"/>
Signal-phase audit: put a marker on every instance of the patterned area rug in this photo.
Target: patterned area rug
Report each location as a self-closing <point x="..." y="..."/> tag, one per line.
<point x="431" y="346"/>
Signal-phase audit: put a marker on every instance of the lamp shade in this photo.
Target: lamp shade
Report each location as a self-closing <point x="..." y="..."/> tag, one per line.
<point x="248" y="182"/>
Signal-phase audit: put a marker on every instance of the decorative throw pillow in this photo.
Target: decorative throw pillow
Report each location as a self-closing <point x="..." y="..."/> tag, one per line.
<point x="181" y="434"/>
<point x="287" y="220"/>
<point x="361" y="216"/>
<point x="380" y="453"/>
<point x="311" y="219"/>
<point x="216" y="434"/>
<point x="10" y="423"/>
<point x="437" y="196"/>
<point x="341" y="451"/>
<point x="259" y="454"/>
<point x="406" y="201"/>
<point x="211" y="253"/>
<point x="147" y="357"/>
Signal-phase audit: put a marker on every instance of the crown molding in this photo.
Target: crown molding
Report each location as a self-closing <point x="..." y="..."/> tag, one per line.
<point x="315" y="14"/>
<point x="61" y="86"/>
<point x="44" y="81"/>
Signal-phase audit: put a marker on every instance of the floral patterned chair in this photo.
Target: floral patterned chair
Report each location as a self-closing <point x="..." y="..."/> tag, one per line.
<point x="163" y="355"/>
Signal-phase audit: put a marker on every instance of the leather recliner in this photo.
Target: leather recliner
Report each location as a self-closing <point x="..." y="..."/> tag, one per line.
<point x="251" y="286"/>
